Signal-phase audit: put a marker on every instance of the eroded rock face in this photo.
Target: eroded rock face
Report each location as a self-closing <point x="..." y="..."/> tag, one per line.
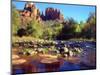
<point x="52" y="14"/>
<point x="30" y="12"/>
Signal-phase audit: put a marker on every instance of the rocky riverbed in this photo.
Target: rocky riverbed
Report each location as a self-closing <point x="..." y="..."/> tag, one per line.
<point x="56" y="56"/>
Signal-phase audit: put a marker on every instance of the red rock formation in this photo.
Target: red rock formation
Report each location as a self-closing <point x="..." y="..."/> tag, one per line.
<point x="52" y="14"/>
<point x="30" y="12"/>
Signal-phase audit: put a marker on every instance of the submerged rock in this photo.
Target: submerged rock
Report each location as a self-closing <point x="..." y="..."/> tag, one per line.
<point x="88" y="58"/>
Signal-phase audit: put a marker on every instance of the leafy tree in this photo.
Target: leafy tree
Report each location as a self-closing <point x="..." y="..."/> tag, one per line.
<point x="35" y="29"/>
<point x="89" y="30"/>
<point x="15" y="20"/>
<point x="78" y="29"/>
<point x="52" y="28"/>
<point x="68" y="29"/>
<point x="57" y="28"/>
<point x="47" y="34"/>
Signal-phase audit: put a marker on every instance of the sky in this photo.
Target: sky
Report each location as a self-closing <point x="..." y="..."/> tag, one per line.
<point x="77" y="12"/>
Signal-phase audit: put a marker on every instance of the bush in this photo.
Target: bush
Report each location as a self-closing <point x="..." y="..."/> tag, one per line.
<point x="21" y="32"/>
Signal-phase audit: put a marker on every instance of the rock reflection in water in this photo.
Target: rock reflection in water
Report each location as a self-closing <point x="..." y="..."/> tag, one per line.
<point x="61" y="65"/>
<point x="68" y="66"/>
<point x="24" y="68"/>
<point x="51" y="64"/>
<point x="87" y="60"/>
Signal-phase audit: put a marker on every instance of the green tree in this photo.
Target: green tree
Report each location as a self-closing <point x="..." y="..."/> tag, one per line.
<point x="15" y="20"/>
<point x="68" y="29"/>
<point x="35" y="28"/>
<point x="47" y="34"/>
<point x="57" y="28"/>
<point x="89" y="29"/>
<point x="78" y="29"/>
<point x="52" y="29"/>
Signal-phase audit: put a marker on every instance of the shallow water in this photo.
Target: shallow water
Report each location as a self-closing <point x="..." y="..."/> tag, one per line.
<point x="87" y="61"/>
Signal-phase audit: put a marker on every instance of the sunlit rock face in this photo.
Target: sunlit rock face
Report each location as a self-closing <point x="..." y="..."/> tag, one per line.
<point x="29" y="13"/>
<point x="52" y="14"/>
<point x="31" y="10"/>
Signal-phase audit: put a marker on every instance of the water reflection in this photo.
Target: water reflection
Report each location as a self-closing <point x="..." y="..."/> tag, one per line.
<point x="50" y="67"/>
<point x="24" y="68"/>
<point x="69" y="66"/>
<point x="87" y="60"/>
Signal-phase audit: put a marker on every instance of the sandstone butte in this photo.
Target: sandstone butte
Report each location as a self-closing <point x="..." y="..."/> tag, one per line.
<point x="31" y="12"/>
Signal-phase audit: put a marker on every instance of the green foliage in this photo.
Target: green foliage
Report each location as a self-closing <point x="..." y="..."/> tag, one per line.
<point x="15" y="20"/>
<point x="78" y="29"/>
<point x="89" y="29"/>
<point x="29" y="30"/>
<point x="45" y="50"/>
<point x="47" y="33"/>
<point x="35" y="29"/>
<point x="68" y="29"/>
<point x="53" y="29"/>
<point x="57" y="28"/>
